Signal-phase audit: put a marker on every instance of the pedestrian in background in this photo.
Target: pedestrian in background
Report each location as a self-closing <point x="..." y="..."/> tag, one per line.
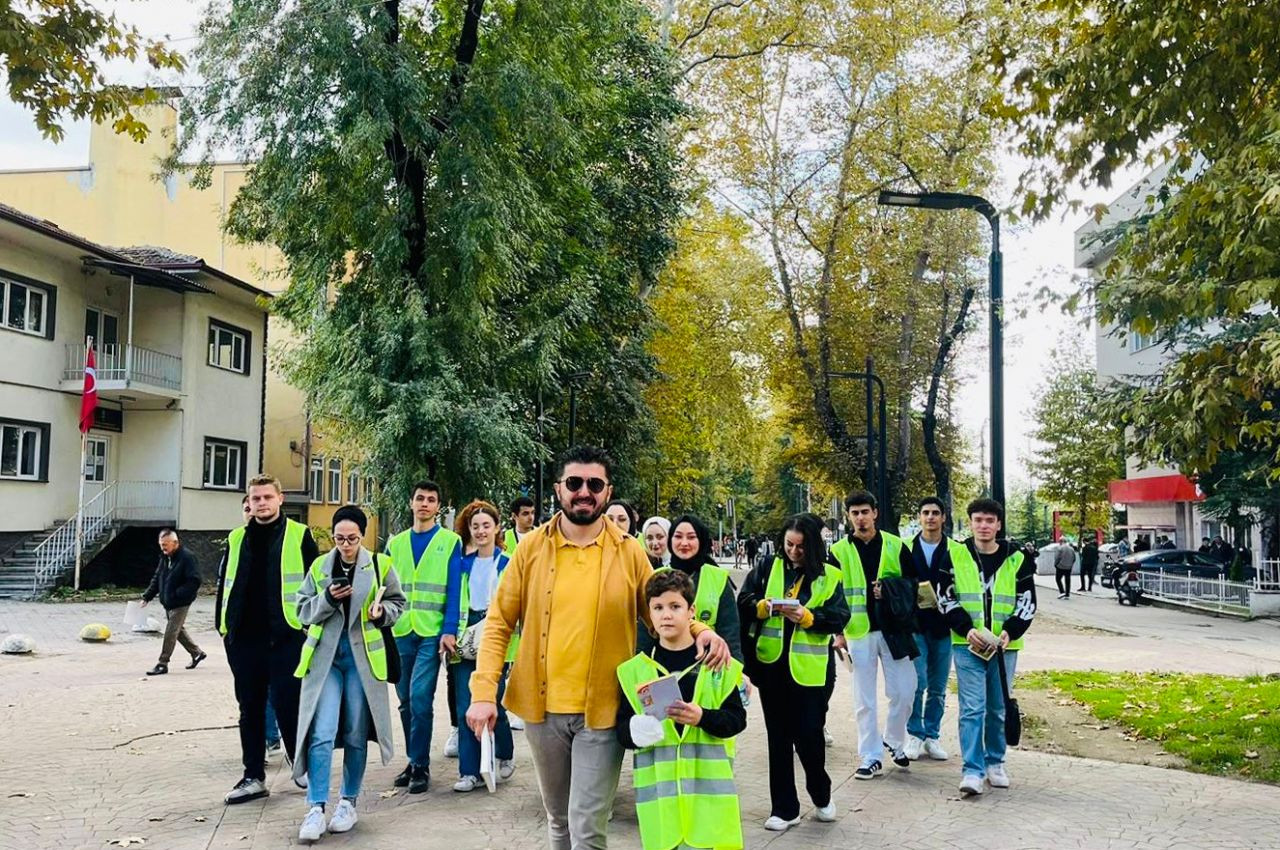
<point x="623" y="515"/>
<point x="1064" y="560"/>
<point x="715" y="603"/>
<point x="1088" y="563"/>
<point x="345" y="601"/>
<point x="176" y="581"/>
<point x="931" y="550"/>
<point x="522" y="519"/>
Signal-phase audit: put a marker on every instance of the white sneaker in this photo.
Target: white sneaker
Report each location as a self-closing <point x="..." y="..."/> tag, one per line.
<point x="451" y="745"/>
<point x="826" y="736"/>
<point x="971" y="786"/>
<point x="345" y="817"/>
<point x="826" y="814"/>
<point x="506" y="767"/>
<point x="516" y="723"/>
<point x="312" y="825"/>
<point x="275" y="749"/>
<point x="934" y="750"/>
<point x="468" y="783"/>
<point x="997" y="776"/>
<point x="913" y="747"/>
<point x="777" y="824"/>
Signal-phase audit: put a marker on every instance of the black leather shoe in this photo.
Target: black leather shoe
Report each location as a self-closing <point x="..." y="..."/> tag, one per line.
<point x="195" y="661"/>
<point x="158" y="670"/>
<point x="419" y="780"/>
<point x="402" y="779"/>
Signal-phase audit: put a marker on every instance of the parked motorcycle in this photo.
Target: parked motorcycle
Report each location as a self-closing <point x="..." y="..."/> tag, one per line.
<point x="1127" y="583"/>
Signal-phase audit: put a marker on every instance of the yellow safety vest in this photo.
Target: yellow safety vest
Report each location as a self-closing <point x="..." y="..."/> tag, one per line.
<point x="969" y="592"/>
<point x="292" y="571"/>
<point x="465" y="606"/>
<point x="855" y="580"/>
<point x="685" y="793"/>
<point x="374" y="647"/>
<point x="808" y="656"/>
<point x="706" y="601"/>
<point x="425" y="584"/>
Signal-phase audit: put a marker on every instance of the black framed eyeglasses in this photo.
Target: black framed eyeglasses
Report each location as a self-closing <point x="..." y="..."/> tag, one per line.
<point x="346" y="538"/>
<point x="574" y="483"/>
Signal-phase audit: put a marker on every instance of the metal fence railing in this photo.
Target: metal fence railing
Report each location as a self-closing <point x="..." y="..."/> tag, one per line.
<point x="58" y="550"/>
<point x="142" y="501"/>
<point x="120" y="362"/>
<point x="1211" y="594"/>
<point x="1267" y="579"/>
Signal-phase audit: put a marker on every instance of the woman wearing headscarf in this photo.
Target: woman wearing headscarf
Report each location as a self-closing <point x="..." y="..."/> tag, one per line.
<point x="623" y="515"/>
<point x="655" y="532"/>
<point x="345" y="601"/>
<point x="715" y="602"/>
<point x="790" y="609"/>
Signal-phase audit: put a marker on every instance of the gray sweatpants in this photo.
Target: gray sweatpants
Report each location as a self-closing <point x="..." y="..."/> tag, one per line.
<point x="578" y="771"/>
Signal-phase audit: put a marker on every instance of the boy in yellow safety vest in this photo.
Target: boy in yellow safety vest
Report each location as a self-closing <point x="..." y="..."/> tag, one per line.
<point x="683" y="768"/>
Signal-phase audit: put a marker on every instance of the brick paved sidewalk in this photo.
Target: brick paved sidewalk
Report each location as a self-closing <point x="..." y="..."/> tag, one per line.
<point x="96" y="749"/>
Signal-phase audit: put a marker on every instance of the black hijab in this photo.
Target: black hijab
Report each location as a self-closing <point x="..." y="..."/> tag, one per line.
<point x="703" y="555"/>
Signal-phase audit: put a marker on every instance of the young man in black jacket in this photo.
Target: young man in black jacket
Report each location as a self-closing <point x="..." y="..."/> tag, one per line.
<point x="989" y="600"/>
<point x="256" y="613"/>
<point x="176" y="582"/>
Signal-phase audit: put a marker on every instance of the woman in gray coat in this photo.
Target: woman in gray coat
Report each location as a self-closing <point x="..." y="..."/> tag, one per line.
<point x="343" y="668"/>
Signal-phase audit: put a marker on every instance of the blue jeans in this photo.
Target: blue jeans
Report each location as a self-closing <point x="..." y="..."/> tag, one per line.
<point x="933" y="667"/>
<point x="982" y="740"/>
<point x="273" y="728"/>
<point x="419" y="671"/>
<point x="468" y="743"/>
<point x="342" y="695"/>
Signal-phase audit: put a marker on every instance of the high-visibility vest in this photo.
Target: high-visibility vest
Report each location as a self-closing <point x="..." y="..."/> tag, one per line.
<point x="510" y="541"/>
<point x="465" y="607"/>
<point x="374" y="647"/>
<point x="425" y="584"/>
<point x="685" y="793"/>
<point x="292" y="571"/>
<point x="969" y="592"/>
<point x="855" y="580"/>
<point x="712" y="580"/>
<point x="808" y="656"/>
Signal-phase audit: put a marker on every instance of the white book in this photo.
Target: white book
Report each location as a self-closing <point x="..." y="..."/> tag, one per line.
<point x="488" y="760"/>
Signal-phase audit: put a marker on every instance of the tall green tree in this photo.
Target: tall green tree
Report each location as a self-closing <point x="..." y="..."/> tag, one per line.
<point x="52" y="58"/>
<point x="1098" y="85"/>
<point x="1081" y="451"/>
<point x="469" y="198"/>
<point x="858" y="97"/>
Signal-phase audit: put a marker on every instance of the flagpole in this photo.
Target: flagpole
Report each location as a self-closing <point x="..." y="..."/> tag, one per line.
<point x="84" y="448"/>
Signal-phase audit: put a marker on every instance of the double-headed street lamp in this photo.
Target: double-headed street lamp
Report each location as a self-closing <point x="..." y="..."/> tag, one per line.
<point x="960" y="201"/>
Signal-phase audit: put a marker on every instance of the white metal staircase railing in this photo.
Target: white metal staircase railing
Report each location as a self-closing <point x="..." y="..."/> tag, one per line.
<point x="118" y="501"/>
<point x="58" y="551"/>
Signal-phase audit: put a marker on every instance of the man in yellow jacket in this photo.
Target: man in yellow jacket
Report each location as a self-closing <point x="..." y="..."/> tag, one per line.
<point x="577" y="586"/>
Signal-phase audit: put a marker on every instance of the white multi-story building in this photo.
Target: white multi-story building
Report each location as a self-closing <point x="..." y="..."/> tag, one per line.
<point x="179" y="348"/>
<point x="1159" y="500"/>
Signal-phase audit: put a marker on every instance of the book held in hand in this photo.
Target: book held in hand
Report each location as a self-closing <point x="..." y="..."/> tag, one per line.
<point x="925" y="597"/>
<point x="659" y="695"/>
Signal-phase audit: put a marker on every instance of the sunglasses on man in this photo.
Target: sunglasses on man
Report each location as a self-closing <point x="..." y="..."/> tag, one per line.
<point x="574" y="483"/>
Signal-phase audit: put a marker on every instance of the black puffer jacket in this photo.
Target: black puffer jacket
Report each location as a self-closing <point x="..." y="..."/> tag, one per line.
<point x="176" y="581"/>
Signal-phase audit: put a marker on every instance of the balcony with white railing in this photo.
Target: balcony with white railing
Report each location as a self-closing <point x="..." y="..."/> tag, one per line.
<point x="125" y="368"/>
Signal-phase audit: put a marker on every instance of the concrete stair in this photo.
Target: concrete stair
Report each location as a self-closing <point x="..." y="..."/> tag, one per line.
<point x="18" y="568"/>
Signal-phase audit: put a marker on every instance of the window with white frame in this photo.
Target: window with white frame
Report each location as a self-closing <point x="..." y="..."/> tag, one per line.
<point x="353" y="488"/>
<point x="95" y="460"/>
<point x="317" y="480"/>
<point x="24" y="454"/>
<point x="335" y="480"/>
<point x="1139" y="340"/>
<point x="368" y="490"/>
<point x="24" y="307"/>
<point x="228" y="347"/>
<point x="224" y="464"/>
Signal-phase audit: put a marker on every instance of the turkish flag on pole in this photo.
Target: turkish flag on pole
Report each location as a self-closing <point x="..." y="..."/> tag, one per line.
<point x="89" y="399"/>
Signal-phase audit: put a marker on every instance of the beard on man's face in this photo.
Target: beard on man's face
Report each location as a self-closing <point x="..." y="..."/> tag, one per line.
<point x="582" y="510"/>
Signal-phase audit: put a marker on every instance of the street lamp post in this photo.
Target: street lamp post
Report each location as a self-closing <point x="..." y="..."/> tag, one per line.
<point x="961" y="201"/>
<point x="877" y="481"/>
<point x="573" y="404"/>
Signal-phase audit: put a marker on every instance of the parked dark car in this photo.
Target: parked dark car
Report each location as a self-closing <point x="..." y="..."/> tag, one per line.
<point x="1181" y="561"/>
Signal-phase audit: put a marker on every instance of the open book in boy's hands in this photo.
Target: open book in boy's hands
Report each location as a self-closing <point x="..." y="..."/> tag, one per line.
<point x="659" y="695"/>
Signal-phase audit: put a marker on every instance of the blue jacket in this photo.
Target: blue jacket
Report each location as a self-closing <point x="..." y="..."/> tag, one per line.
<point x="459" y="571"/>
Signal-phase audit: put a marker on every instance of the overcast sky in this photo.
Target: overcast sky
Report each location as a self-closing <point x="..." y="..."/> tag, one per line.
<point x="1034" y="256"/>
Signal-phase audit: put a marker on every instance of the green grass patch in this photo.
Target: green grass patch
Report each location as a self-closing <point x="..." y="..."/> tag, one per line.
<point x="1220" y="724"/>
<point x="106" y="593"/>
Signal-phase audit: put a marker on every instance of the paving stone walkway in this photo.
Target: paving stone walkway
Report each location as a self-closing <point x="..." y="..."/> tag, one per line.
<point x="95" y="751"/>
